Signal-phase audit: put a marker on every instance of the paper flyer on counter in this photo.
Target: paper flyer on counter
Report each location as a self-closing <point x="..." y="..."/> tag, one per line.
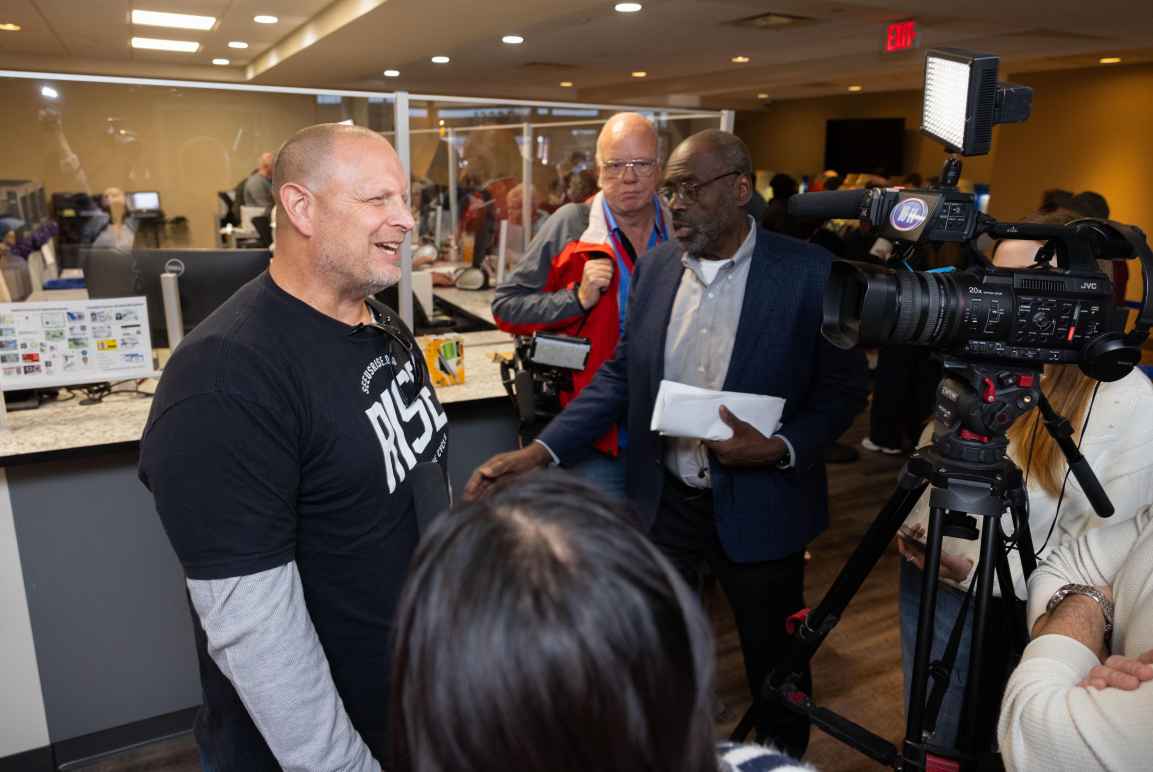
<point x="43" y="345"/>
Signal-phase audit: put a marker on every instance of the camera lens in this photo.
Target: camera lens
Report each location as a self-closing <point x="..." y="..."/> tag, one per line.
<point x="868" y="304"/>
<point x="924" y="302"/>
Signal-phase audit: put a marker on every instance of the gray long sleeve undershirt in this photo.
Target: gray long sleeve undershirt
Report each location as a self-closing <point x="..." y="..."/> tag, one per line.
<point x="261" y="637"/>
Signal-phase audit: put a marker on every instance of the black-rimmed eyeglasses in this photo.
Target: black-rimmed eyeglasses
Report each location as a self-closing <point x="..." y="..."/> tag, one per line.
<point x="688" y="191"/>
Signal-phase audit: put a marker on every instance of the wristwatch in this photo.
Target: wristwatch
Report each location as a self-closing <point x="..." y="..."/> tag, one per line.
<point x="786" y="460"/>
<point x="1089" y="591"/>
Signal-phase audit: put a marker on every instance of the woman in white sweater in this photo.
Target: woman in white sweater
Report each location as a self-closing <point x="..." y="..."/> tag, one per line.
<point x="1118" y="444"/>
<point x="1055" y="715"/>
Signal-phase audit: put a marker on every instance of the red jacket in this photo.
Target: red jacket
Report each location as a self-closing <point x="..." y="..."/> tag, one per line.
<point x="541" y="293"/>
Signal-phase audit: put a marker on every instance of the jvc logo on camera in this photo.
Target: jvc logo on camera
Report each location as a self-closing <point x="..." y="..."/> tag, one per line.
<point x="909" y="215"/>
<point x="1089" y="285"/>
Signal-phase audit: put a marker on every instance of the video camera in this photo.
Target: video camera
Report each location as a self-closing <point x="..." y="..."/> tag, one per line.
<point x="1033" y="316"/>
<point x="541" y="369"/>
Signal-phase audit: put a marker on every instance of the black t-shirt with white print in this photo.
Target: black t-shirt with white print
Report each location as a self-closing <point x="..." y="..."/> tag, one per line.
<point x="279" y="434"/>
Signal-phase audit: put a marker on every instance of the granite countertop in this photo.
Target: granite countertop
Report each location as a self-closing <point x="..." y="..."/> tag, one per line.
<point x="66" y="425"/>
<point x="476" y="302"/>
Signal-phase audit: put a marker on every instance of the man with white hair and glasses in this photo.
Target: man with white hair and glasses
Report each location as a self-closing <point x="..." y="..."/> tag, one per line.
<point x="576" y="276"/>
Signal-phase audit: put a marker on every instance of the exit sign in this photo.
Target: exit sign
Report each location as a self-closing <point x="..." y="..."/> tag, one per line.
<point x="900" y="36"/>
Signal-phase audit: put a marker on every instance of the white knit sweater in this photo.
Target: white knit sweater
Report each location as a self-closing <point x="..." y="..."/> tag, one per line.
<point x="1118" y="444"/>
<point x="1047" y="721"/>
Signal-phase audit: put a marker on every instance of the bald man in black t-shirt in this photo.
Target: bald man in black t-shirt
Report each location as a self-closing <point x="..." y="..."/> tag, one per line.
<point x="282" y="448"/>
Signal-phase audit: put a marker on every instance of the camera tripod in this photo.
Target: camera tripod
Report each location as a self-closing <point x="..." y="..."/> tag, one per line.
<point x="971" y="476"/>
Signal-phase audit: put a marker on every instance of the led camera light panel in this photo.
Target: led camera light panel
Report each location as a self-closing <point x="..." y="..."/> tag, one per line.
<point x="946" y="99"/>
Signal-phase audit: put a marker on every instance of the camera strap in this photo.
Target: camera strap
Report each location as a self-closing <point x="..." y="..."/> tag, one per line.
<point x="941" y="670"/>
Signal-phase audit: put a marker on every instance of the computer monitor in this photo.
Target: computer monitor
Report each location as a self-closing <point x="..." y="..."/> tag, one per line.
<point x="208" y="277"/>
<point x="144" y="201"/>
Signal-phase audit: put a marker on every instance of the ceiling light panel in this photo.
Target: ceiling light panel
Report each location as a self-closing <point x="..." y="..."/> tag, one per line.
<point x="157" y="44"/>
<point x="174" y="20"/>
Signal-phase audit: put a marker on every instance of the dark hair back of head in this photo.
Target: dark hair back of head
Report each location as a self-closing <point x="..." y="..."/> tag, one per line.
<point x="783" y="186"/>
<point x="540" y="632"/>
<point x="1056" y="198"/>
<point x="1090" y="204"/>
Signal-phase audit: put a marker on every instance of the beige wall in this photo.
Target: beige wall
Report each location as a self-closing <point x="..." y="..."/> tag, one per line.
<point x="789" y="136"/>
<point x="1090" y="130"/>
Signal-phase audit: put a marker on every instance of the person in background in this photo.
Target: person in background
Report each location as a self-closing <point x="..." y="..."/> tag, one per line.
<point x="582" y="185"/>
<point x="727" y="307"/>
<point x="540" y="631"/>
<point x="1054" y="199"/>
<point x="1115" y="432"/>
<point x="258" y="185"/>
<point x="1090" y="204"/>
<point x="290" y="448"/>
<point x="1082" y="696"/>
<point x="119" y="231"/>
<point x="576" y="275"/>
<point x="776" y="217"/>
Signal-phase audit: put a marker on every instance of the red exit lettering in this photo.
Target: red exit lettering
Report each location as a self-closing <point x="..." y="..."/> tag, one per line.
<point x="900" y="36"/>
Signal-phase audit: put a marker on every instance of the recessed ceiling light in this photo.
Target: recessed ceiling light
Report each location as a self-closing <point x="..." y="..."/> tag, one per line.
<point x="392" y="73"/>
<point x="628" y="7"/>
<point x="566" y="84"/>
<point x="48" y="92"/>
<point x="1110" y="60"/>
<point x="9" y="27"/>
<point x="512" y="40"/>
<point x="441" y="60"/>
<point x="237" y="44"/>
<point x="265" y="19"/>
<point x="740" y="60"/>
<point x="854" y="89"/>
<point x="640" y="74"/>
<point x="157" y="44"/>
<point x="177" y="20"/>
<point x="762" y="95"/>
<point x="222" y="61"/>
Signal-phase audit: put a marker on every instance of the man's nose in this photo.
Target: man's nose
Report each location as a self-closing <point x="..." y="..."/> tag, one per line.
<point x="404" y="219"/>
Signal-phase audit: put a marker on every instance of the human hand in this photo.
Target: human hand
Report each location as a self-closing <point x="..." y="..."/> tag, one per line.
<point x="1125" y="673"/>
<point x="747" y="446"/>
<point x="911" y="544"/>
<point x="504" y="465"/>
<point x="595" y="279"/>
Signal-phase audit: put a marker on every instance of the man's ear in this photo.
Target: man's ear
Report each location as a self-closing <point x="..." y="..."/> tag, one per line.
<point x="299" y="206"/>
<point x="744" y="189"/>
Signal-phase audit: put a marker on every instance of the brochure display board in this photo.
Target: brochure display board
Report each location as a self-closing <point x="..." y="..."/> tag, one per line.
<point x="50" y="344"/>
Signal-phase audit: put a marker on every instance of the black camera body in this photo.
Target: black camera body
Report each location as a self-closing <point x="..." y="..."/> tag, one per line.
<point x="1032" y="316"/>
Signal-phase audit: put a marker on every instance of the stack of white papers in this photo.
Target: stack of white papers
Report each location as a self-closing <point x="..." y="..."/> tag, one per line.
<point x="689" y="411"/>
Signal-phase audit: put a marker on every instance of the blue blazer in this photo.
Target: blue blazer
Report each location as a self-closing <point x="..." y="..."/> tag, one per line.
<point x="762" y="513"/>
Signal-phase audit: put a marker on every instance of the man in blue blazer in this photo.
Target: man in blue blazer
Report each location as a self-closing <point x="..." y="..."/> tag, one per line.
<point x="725" y="306"/>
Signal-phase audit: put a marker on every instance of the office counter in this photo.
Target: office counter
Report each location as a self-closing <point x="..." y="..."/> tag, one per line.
<point x="96" y="643"/>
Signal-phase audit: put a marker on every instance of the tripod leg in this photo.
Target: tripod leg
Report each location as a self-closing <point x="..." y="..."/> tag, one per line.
<point x="820" y="622"/>
<point x="813" y="630"/>
<point x="925" y="626"/>
<point x="968" y="740"/>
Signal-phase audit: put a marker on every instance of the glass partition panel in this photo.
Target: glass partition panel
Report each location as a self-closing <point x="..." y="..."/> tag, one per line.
<point x="483" y="169"/>
<point x="141" y="165"/>
<point x="128" y="163"/>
